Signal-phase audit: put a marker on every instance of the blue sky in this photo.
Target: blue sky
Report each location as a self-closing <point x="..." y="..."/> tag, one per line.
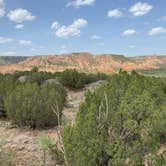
<point x="42" y="27"/>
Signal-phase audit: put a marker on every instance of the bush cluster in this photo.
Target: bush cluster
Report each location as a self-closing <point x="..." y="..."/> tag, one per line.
<point x="33" y="106"/>
<point x="70" y="78"/>
<point x="75" y="80"/>
<point x="119" y="124"/>
<point x="29" y="103"/>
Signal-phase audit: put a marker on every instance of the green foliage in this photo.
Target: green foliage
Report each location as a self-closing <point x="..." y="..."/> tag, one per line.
<point x="160" y="72"/>
<point x="48" y="146"/>
<point x="71" y="78"/>
<point x="56" y="154"/>
<point x="32" y="106"/>
<point x="35" y="69"/>
<point x="45" y="143"/>
<point x="75" y="80"/>
<point x="161" y="82"/>
<point x="158" y="160"/>
<point x="36" y="77"/>
<point x="118" y="124"/>
<point x="6" y="86"/>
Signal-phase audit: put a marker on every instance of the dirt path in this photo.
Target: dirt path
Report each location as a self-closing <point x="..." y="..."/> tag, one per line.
<point x="74" y="100"/>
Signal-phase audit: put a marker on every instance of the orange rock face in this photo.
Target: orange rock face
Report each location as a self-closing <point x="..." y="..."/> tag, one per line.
<point x="86" y="62"/>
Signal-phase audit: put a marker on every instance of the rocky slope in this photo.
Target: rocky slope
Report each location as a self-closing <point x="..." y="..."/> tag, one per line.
<point x="87" y="62"/>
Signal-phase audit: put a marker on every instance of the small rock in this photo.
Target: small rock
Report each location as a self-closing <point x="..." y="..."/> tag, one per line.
<point x="51" y="81"/>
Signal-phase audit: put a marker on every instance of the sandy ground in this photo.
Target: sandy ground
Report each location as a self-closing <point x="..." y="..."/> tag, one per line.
<point x="23" y="144"/>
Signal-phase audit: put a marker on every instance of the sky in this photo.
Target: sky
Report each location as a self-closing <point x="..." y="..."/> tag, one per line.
<point x="44" y="27"/>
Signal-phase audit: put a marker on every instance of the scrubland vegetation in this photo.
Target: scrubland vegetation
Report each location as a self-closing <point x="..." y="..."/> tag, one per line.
<point x="24" y="90"/>
<point x="121" y="123"/>
<point x="32" y="106"/>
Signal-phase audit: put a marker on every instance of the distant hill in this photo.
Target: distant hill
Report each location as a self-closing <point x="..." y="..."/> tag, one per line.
<point x="6" y="60"/>
<point x="86" y="62"/>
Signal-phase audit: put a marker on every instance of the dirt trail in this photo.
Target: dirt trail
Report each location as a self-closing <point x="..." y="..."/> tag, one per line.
<point x="74" y="99"/>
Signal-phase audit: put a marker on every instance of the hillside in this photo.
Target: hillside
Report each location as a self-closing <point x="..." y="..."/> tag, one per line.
<point x="6" y="60"/>
<point x="87" y="62"/>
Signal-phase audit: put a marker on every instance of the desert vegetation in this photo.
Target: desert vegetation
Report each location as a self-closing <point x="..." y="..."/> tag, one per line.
<point x="75" y="80"/>
<point x="29" y="105"/>
<point x="120" y="123"/>
<point x="29" y="98"/>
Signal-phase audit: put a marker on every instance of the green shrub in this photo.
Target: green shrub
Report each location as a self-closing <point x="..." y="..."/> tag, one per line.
<point x="56" y="155"/>
<point x="35" y="69"/>
<point x="6" y="86"/>
<point x="75" y="80"/>
<point x="32" y="106"/>
<point x="158" y="160"/>
<point x="71" y="79"/>
<point x="118" y="124"/>
<point x="35" y="76"/>
<point x="44" y="143"/>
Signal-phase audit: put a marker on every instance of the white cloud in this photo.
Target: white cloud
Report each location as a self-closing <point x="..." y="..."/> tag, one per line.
<point x="19" y="26"/>
<point x="157" y="31"/>
<point x="79" y="3"/>
<point x="25" y="42"/>
<point x="114" y="13"/>
<point x="162" y="18"/>
<point x="129" y="32"/>
<point x="20" y="15"/>
<point x="55" y="25"/>
<point x="9" y="53"/>
<point x="2" y="8"/>
<point x="140" y="9"/>
<point x="132" y="46"/>
<point x="63" y="47"/>
<point x="4" y="40"/>
<point x="64" y="31"/>
<point x="95" y="37"/>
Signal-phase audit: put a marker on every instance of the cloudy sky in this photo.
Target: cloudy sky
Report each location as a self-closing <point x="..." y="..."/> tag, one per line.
<point x="41" y="27"/>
